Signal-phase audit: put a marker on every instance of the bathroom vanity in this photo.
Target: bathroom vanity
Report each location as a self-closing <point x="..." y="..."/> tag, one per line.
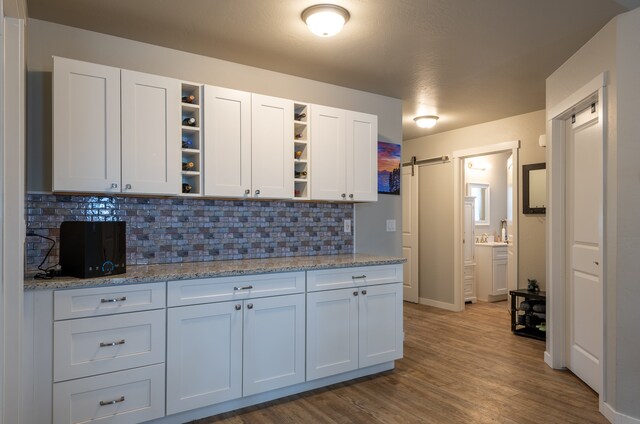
<point x="491" y="267"/>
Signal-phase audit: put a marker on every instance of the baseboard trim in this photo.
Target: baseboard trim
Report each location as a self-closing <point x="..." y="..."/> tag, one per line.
<point x="438" y="304"/>
<point x="616" y="417"/>
<point x="548" y="359"/>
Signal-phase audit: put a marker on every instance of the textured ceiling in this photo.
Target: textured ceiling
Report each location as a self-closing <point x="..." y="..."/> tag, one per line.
<point x="468" y="61"/>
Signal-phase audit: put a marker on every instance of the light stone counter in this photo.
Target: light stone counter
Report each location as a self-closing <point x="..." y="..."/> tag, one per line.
<point x="186" y="271"/>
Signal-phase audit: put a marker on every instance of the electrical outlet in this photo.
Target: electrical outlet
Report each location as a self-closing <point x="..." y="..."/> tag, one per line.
<point x="391" y="225"/>
<point x="347" y="226"/>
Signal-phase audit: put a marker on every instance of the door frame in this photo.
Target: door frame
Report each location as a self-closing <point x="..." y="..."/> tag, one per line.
<point x="556" y="353"/>
<point x="458" y="209"/>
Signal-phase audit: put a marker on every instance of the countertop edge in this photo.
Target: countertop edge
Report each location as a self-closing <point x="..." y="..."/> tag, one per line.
<point x="247" y="267"/>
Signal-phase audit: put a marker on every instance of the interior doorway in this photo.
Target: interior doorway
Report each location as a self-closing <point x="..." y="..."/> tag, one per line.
<point x="498" y="288"/>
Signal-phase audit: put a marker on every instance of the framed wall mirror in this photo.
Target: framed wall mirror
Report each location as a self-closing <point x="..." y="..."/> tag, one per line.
<point x="534" y="188"/>
<point x="482" y="210"/>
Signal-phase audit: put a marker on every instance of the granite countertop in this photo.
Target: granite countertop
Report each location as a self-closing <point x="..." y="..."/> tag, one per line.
<point x="186" y="271"/>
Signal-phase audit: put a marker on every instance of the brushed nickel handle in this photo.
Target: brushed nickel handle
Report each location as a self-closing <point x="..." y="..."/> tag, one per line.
<point x="355" y="293"/>
<point x="115" y="299"/>
<point x="127" y="187"/>
<point x="243" y="288"/>
<point x="358" y="277"/>
<point x="111" y="402"/>
<point x="107" y="344"/>
<point x="351" y="196"/>
<point x="596" y="262"/>
<point x="364" y="292"/>
<point x="114" y="185"/>
<point x="343" y="195"/>
<point x="238" y="307"/>
<point x="257" y="192"/>
<point x="247" y="191"/>
<point x="250" y="306"/>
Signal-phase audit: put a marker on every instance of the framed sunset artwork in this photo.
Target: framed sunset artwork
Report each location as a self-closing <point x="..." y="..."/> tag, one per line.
<point x="388" y="168"/>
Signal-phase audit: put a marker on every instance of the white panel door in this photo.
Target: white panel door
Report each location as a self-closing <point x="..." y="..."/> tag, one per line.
<point x="150" y="134"/>
<point x="227" y="142"/>
<point x="584" y="225"/>
<point x="380" y="321"/>
<point x="332" y="332"/>
<point x="204" y="355"/>
<point x="86" y="127"/>
<point x="274" y="343"/>
<point x="409" y="193"/>
<point x="328" y="153"/>
<point x="271" y="147"/>
<point x="362" y="157"/>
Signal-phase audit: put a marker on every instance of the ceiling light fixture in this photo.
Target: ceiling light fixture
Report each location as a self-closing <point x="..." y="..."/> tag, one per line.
<point x="325" y="20"/>
<point x="426" y="121"/>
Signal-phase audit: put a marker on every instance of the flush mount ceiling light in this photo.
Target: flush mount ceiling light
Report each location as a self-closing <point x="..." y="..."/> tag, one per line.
<point x="426" y="121"/>
<point x="325" y="20"/>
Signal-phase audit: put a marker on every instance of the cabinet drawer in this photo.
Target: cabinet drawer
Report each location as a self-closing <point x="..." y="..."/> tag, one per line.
<point x="121" y="397"/>
<point x="208" y="290"/>
<point x="329" y="279"/>
<point x="90" y="346"/>
<point x="469" y="271"/>
<point x="90" y="302"/>
<point x="499" y="253"/>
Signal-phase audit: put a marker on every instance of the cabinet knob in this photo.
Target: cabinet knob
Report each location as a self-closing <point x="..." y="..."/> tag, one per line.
<point x="238" y="307"/>
<point x="250" y="306"/>
<point x="351" y="196"/>
<point x="127" y="187"/>
<point x="247" y="191"/>
<point x="257" y="192"/>
<point x="114" y="185"/>
<point x="344" y="195"/>
<point x="364" y="292"/>
<point x="355" y="293"/>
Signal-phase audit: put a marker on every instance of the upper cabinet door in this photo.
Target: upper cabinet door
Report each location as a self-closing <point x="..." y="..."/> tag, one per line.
<point x="86" y="127"/>
<point x="227" y="142"/>
<point x="271" y="147"/>
<point x="150" y="134"/>
<point x="328" y="154"/>
<point x="362" y="157"/>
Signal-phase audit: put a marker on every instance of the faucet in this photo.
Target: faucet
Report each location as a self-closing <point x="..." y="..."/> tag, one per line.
<point x="484" y="238"/>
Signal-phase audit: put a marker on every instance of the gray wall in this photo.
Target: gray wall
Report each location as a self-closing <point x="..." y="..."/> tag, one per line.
<point x="46" y="39"/>
<point x="616" y="51"/>
<point x="436" y="209"/>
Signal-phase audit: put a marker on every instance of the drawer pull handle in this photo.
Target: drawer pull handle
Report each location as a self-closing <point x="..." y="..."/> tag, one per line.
<point x="111" y="402"/>
<point x="364" y="292"/>
<point x="119" y="342"/>
<point x="115" y="299"/>
<point x="243" y="288"/>
<point x="358" y="277"/>
<point x="355" y="293"/>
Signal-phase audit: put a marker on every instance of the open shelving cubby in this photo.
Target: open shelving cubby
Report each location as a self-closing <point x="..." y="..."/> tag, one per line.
<point x="191" y="143"/>
<point x="301" y="151"/>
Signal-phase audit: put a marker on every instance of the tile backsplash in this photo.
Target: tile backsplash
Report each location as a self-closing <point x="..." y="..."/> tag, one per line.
<point x="172" y="230"/>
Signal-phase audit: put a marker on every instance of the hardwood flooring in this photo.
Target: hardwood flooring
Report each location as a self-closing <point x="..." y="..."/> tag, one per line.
<point x="457" y="368"/>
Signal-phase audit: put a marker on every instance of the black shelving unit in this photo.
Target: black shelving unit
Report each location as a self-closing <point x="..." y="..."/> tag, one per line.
<point x="523" y="329"/>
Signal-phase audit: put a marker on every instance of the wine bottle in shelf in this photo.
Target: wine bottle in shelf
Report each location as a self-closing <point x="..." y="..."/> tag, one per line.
<point x="188" y="99"/>
<point x="297" y="154"/>
<point x="300" y="116"/>
<point x="298" y="136"/>
<point x="301" y="174"/>
<point x="188" y="166"/>
<point x="186" y="188"/>
<point x="189" y="122"/>
<point x="187" y="143"/>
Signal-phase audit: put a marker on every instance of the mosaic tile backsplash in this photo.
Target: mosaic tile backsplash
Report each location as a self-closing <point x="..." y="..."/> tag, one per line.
<point x="172" y="230"/>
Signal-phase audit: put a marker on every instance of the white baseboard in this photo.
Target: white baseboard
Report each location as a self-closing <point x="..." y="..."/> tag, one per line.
<point x="616" y="417"/>
<point x="438" y="304"/>
<point x="547" y="359"/>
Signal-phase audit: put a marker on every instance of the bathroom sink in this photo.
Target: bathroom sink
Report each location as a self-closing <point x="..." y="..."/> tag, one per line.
<point x="492" y="243"/>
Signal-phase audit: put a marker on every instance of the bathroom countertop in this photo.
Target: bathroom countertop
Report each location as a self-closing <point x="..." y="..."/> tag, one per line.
<point x="492" y="244"/>
<point x="186" y="271"/>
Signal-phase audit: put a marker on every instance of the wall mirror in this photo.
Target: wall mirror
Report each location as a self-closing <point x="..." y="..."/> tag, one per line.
<point x="534" y="188"/>
<point x="481" y="193"/>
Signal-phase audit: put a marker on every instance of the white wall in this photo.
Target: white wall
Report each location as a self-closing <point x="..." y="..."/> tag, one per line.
<point x="47" y="39"/>
<point x="615" y="50"/>
<point x="436" y="216"/>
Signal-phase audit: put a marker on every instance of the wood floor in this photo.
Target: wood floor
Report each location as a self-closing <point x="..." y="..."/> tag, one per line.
<point x="457" y="368"/>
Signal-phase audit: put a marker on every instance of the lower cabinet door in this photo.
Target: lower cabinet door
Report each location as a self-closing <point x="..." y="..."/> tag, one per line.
<point x="204" y="355"/>
<point x="274" y="343"/>
<point x="124" y="397"/>
<point x="499" y="276"/>
<point x="380" y="316"/>
<point x="332" y="332"/>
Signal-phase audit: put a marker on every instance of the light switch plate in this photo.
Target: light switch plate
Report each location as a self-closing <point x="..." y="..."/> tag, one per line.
<point x="391" y="225"/>
<point x="347" y="226"/>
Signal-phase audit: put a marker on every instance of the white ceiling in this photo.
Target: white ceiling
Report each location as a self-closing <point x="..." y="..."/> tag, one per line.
<point x="468" y="61"/>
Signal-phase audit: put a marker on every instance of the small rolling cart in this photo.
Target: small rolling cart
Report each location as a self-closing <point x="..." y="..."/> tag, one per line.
<point x="528" y="315"/>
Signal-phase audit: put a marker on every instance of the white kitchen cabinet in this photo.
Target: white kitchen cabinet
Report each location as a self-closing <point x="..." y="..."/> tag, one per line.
<point x="344" y="155"/>
<point x="150" y="134"/>
<point x="222" y="351"/>
<point x="271" y="147"/>
<point x="491" y="266"/>
<point x="227" y="157"/>
<point x="353" y="328"/>
<point x="114" y="130"/>
<point x="86" y="127"/>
